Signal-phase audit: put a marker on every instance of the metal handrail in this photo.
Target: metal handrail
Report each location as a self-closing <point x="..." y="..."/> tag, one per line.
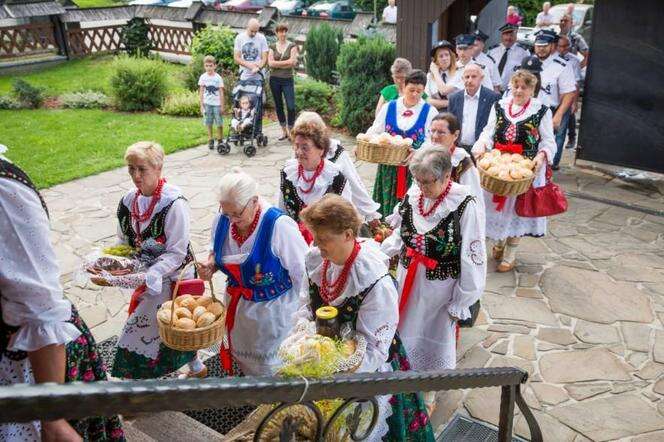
<point x="24" y="402"/>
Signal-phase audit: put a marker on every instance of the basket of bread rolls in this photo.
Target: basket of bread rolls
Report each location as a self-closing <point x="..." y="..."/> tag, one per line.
<point x="505" y="174"/>
<point x="189" y="323"/>
<point x="383" y="148"/>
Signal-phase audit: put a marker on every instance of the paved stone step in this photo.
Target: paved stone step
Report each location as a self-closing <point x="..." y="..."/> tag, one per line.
<point x="172" y="426"/>
<point x="133" y="434"/>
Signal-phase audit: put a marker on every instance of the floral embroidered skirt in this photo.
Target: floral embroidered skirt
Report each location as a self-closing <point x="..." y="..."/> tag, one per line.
<point x="385" y="189"/>
<point x="84" y="364"/>
<point x="130" y="365"/>
<point x="409" y="420"/>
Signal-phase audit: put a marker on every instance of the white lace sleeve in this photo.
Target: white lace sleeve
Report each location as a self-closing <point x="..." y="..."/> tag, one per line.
<point x="29" y="275"/>
<point x="377" y="321"/>
<point x="548" y="140"/>
<point x="367" y="207"/>
<point x="393" y="243"/>
<point x="486" y="137"/>
<point x="470" y="285"/>
<point x="289" y="246"/>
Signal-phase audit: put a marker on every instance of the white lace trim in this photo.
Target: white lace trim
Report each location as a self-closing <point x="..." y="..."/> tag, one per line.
<point x="169" y="193"/>
<point x="458" y="194"/>
<point x="369" y="264"/>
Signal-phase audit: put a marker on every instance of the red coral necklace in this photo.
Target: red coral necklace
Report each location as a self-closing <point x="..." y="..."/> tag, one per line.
<point x="329" y="290"/>
<point x="311" y="181"/>
<point x="441" y="197"/>
<point x="519" y="113"/>
<point x="235" y="234"/>
<point x="139" y="217"/>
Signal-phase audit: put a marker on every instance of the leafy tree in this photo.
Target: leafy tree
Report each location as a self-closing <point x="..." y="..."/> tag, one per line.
<point x="135" y="37"/>
<point x="321" y="50"/>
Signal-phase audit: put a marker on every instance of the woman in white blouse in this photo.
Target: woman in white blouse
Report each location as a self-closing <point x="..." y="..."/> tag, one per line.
<point x="439" y="237"/>
<point x="42" y="337"/>
<point x="518" y="124"/>
<point x="410" y="117"/>
<point x="352" y="275"/>
<point x="442" y="73"/>
<point x="154" y="218"/>
<point x="261" y="251"/>
<point x="310" y="175"/>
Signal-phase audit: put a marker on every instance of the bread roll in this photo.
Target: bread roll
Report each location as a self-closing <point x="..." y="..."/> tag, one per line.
<point x="164" y="315"/>
<point x="167" y="305"/>
<point x="216" y="308"/>
<point x="189" y="303"/>
<point x="528" y="164"/>
<point x="198" y="311"/>
<point x="204" y="301"/>
<point x="205" y="319"/>
<point x="527" y="173"/>
<point x="516" y="157"/>
<point x="493" y="170"/>
<point x="504" y="174"/>
<point x="183" y="312"/>
<point x="485" y="163"/>
<point x="516" y="173"/>
<point x="185" y="323"/>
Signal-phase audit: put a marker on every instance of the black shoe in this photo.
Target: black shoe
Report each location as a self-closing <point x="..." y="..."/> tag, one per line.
<point x="570" y="144"/>
<point x="211" y="144"/>
<point x="555" y="167"/>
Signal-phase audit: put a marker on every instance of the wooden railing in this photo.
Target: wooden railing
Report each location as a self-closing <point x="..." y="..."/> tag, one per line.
<point x="98" y="40"/>
<point x="171" y="39"/>
<point x="26" y="40"/>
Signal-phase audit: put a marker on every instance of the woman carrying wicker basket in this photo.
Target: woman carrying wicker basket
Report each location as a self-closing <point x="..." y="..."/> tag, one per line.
<point x="353" y="276"/>
<point x="261" y="252"/>
<point x="153" y="218"/>
<point x="311" y="174"/>
<point x="439" y="237"/>
<point x="410" y="117"/>
<point x="518" y="124"/>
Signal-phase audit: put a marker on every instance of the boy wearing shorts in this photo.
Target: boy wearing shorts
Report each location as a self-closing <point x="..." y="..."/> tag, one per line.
<point x="211" y="93"/>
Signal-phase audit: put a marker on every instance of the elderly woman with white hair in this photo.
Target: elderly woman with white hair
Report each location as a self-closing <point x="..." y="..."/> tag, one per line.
<point x="439" y="237"/>
<point x="154" y="218"/>
<point x="338" y="155"/>
<point x="261" y="252"/>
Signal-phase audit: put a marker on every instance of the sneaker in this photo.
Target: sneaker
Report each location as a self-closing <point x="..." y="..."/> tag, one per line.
<point x="570" y="144"/>
<point x="211" y="144"/>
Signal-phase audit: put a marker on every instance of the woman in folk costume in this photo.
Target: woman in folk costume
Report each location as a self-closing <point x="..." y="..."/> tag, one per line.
<point x="409" y="116"/>
<point x="153" y="218"/>
<point x="310" y="175"/>
<point x="445" y="131"/>
<point x="439" y="236"/>
<point x="518" y="124"/>
<point x="353" y="276"/>
<point x="261" y="251"/>
<point x="42" y="337"/>
<point x="338" y="155"/>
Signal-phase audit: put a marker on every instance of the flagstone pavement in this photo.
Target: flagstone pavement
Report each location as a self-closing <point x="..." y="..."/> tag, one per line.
<point x="583" y="312"/>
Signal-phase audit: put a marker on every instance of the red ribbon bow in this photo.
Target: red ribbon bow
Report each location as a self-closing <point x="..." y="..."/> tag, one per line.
<point x="306" y="234"/>
<point x="225" y="354"/>
<point x="416" y="259"/>
<point x="505" y="148"/>
<point x="407" y="113"/>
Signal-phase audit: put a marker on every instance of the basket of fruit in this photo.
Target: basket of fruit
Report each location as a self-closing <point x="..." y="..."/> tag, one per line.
<point x="505" y="174"/>
<point x="383" y="149"/>
<point x="189" y="323"/>
<point x="381" y="232"/>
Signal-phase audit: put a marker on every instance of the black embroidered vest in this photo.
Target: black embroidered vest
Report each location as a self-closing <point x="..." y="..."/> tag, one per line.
<point x="442" y="243"/>
<point x="337" y="153"/>
<point x="461" y="168"/>
<point x="292" y="200"/>
<point x="527" y="131"/>
<point x="11" y="171"/>
<point x="155" y="230"/>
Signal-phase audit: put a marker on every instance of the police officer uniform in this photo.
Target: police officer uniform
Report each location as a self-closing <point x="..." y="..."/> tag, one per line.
<point x="491" y="67"/>
<point x="533" y="65"/>
<point x="508" y="60"/>
<point x="576" y="42"/>
<point x="557" y="79"/>
<point x="465" y="41"/>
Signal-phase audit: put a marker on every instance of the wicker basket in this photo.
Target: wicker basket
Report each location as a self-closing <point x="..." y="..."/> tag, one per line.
<point x="378" y="153"/>
<point x="191" y="340"/>
<point x="504" y="188"/>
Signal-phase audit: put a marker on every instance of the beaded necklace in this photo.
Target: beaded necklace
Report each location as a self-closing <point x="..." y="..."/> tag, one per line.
<point x="519" y="113"/>
<point x="312" y="180"/>
<point x="441" y="197"/>
<point x="139" y="217"/>
<point x="235" y="234"/>
<point x="329" y="290"/>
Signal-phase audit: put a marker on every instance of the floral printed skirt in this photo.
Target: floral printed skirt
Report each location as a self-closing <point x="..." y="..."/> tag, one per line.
<point x="385" y="189"/>
<point x="409" y="420"/>
<point x="130" y="365"/>
<point x="85" y="364"/>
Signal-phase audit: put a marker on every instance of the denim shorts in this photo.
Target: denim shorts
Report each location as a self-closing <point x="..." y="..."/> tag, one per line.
<point x="212" y="115"/>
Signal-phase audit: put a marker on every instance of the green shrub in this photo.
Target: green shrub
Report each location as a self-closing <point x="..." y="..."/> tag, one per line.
<point x="135" y="37"/>
<point x="312" y="95"/>
<point x="368" y="5"/>
<point x="84" y="100"/>
<point x="364" y="69"/>
<point x="321" y="50"/>
<point x="182" y="104"/>
<point x="138" y="84"/>
<point x="27" y="94"/>
<point x="216" y="41"/>
<point x="9" y="102"/>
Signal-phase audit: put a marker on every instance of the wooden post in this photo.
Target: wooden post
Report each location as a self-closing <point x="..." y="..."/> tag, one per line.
<point x="60" y="34"/>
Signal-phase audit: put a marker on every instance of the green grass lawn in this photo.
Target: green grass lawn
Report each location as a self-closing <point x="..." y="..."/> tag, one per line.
<point x="55" y="146"/>
<point x="90" y="73"/>
<point x="98" y="3"/>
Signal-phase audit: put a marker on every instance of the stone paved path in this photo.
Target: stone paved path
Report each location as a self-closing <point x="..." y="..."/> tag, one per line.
<point x="583" y="313"/>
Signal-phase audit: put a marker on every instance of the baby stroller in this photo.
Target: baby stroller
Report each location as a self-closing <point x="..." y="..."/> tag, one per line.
<point x="253" y="89"/>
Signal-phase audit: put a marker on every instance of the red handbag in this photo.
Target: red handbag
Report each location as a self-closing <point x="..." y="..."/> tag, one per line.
<point x="547" y="200"/>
